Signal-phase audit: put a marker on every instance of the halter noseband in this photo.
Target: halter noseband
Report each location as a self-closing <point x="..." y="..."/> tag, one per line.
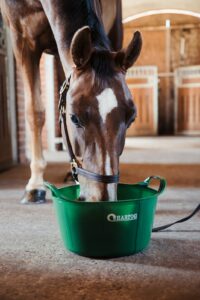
<point x="75" y="165"/>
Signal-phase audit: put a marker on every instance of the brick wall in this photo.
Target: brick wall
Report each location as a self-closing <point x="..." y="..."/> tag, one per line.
<point x="192" y="47"/>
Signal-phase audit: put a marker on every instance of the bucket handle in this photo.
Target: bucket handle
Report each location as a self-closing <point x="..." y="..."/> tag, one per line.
<point x="162" y="183"/>
<point x="52" y="188"/>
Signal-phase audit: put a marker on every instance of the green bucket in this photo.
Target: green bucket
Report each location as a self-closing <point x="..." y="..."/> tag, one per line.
<point x="107" y="229"/>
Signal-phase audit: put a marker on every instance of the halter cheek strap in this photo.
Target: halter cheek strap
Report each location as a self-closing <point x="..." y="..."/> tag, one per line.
<point x="76" y="168"/>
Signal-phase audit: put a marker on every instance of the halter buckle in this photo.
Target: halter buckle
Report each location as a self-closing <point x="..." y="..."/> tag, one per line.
<point x="63" y="87"/>
<point x="74" y="167"/>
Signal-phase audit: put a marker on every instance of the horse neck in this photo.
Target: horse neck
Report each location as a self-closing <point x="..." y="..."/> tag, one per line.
<point x="66" y="17"/>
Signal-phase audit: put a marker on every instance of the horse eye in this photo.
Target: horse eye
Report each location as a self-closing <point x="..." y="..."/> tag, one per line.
<point x="76" y="121"/>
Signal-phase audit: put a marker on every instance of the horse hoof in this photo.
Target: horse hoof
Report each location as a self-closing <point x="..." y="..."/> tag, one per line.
<point x="34" y="197"/>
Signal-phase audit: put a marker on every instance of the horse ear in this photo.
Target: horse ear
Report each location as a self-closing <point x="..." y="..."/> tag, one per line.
<point x="127" y="57"/>
<point x="81" y="46"/>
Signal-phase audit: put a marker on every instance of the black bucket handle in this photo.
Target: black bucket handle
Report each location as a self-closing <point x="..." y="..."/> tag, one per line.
<point x="52" y="188"/>
<point x="161" y="188"/>
<point x="156" y="229"/>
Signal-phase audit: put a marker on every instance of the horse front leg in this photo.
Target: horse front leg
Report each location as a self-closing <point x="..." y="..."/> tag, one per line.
<point x="35" y="115"/>
<point x="28" y="59"/>
<point x="35" y="191"/>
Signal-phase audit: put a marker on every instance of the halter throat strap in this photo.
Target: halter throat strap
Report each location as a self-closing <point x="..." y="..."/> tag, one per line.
<point x="76" y="168"/>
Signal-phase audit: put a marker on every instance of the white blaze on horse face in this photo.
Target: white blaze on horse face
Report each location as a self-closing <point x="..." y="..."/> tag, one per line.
<point x="108" y="165"/>
<point x="89" y="190"/>
<point x="107" y="102"/>
<point x="111" y="187"/>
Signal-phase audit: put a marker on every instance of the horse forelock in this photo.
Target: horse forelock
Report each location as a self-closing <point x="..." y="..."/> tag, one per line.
<point x="103" y="66"/>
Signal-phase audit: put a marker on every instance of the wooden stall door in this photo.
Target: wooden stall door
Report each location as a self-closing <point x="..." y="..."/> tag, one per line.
<point x="5" y="135"/>
<point x="143" y="84"/>
<point x="187" y="84"/>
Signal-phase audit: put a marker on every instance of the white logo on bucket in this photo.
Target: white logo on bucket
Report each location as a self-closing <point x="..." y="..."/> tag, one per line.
<point x="121" y="218"/>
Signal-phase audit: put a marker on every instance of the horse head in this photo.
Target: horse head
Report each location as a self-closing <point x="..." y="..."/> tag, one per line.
<point x="99" y="110"/>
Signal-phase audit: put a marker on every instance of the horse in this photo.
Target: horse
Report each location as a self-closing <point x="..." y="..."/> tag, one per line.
<point x="99" y="105"/>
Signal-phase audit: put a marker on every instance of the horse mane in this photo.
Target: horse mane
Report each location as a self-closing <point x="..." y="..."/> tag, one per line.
<point x="101" y="60"/>
<point x="99" y="37"/>
<point x="82" y="12"/>
<point x="79" y="13"/>
<point x="103" y="64"/>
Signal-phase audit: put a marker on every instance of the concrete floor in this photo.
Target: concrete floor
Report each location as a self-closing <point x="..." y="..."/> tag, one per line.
<point x="35" y="265"/>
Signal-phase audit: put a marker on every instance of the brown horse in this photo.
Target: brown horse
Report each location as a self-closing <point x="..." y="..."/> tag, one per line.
<point x="99" y="104"/>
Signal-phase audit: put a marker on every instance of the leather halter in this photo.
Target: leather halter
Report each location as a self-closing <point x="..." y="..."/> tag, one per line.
<point x="75" y="164"/>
